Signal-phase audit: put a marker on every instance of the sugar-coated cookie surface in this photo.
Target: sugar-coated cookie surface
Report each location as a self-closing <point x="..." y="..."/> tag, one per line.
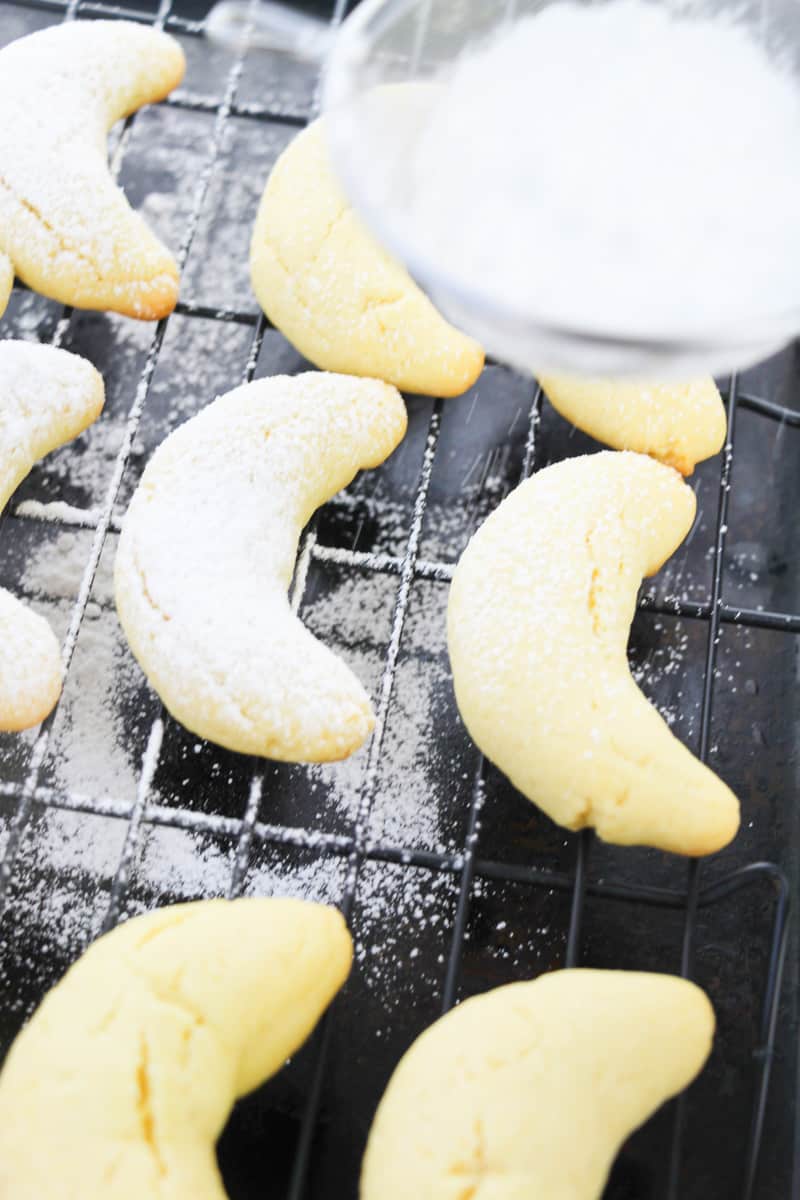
<point x="6" y="280"/>
<point x="64" y="224"/>
<point x="679" y="424"/>
<point x="538" y="621"/>
<point x="47" y="397"/>
<point x="130" y="1066"/>
<point x="207" y="553"/>
<point x="30" y="666"/>
<point x="527" y="1092"/>
<point x="337" y="295"/>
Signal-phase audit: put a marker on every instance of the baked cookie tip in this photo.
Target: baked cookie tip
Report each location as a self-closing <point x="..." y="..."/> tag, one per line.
<point x="680" y="424"/>
<point x="338" y="297"/>
<point x="30" y="666"/>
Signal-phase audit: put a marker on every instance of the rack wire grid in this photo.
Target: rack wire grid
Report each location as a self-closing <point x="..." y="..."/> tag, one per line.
<point x="452" y="883"/>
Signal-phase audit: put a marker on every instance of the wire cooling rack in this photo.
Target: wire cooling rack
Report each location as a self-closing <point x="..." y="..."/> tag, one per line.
<point x="452" y="883"/>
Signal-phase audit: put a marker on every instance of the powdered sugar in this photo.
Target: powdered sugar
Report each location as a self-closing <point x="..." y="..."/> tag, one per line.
<point x="30" y="665"/>
<point x="606" y="137"/>
<point x="666" y="661"/>
<point x="58" y="511"/>
<point x="47" y="397"/>
<point x="68" y="229"/>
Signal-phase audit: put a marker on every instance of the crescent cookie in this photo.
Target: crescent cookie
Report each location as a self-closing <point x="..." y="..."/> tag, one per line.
<point x="337" y="295"/>
<point x="538" y="622"/>
<point x="208" y="550"/>
<point x="30" y="666"/>
<point x="679" y="424"/>
<point x="6" y="280"/>
<point x="130" y="1066"/>
<point x="47" y="397"/>
<point x="64" y="224"/>
<point x="530" y="1089"/>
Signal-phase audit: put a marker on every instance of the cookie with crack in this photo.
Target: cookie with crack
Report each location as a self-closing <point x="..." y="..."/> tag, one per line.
<point x="529" y="1090"/>
<point x="680" y="424"/>
<point x="207" y="553"/>
<point x="64" y="224"/>
<point x="338" y="297"/>
<point x="539" y="615"/>
<point x="47" y="397"/>
<point x="131" y="1064"/>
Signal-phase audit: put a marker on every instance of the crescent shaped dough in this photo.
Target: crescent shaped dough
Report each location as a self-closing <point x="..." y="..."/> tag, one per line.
<point x="47" y="397"/>
<point x="538" y="623"/>
<point x="65" y="225"/>
<point x="527" y="1092"/>
<point x="6" y="280"/>
<point x="208" y="550"/>
<point x="130" y="1066"/>
<point x="679" y="424"/>
<point x="337" y="295"/>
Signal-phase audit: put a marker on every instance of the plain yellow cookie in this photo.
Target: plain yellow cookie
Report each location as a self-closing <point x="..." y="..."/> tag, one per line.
<point x="64" y="223"/>
<point x="679" y="424"/>
<point x="528" y="1091"/>
<point x="538" y="622"/>
<point x="338" y="297"/>
<point x="123" y="1080"/>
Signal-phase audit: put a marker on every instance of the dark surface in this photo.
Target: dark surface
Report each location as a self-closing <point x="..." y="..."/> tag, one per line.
<point x="413" y="792"/>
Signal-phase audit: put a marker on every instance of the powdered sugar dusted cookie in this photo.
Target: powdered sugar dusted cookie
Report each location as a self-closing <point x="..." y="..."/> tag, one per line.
<point x="47" y="397"/>
<point x="64" y="224"/>
<point x="207" y="554"/>
<point x="6" y="280"/>
<point x="337" y="295"/>
<point x="538" y="622"/>
<point x="30" y="666"/>
<point x="679" y="424"/>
